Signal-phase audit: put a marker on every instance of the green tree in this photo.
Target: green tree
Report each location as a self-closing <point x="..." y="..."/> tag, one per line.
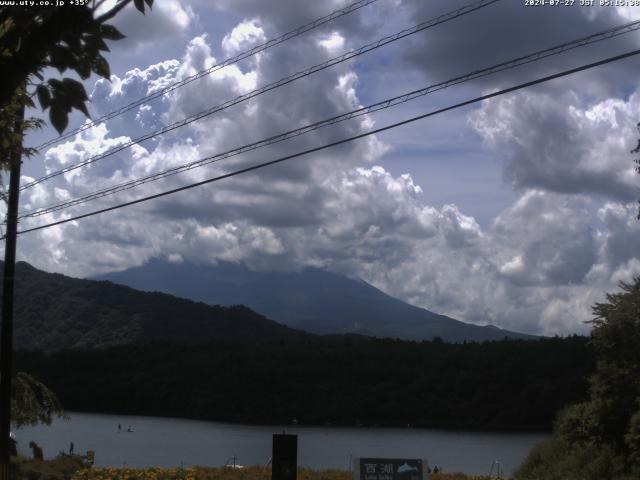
<point x="600" y="438"/>
<point x="615" y="387"/>
<point x="632" y="441"/>
<point x="32" y="402"/>
<point x="66" y="38"/>
<point x="637" y="162"/>
<point x="13" y="127"/>
<point x="34" y="40"/>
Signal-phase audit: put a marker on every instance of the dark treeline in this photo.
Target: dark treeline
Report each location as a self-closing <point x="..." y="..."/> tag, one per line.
<point x="511" y="384"/>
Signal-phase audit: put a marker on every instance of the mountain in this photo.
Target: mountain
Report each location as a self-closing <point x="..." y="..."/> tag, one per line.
<point x="313" y="300"/>
<point x="54" y="312"/>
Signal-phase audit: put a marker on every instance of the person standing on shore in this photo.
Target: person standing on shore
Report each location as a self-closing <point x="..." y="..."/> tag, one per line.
<point x="71" y="448"/>
<point x="37" y="450"/>
<point x="13" y="444"/>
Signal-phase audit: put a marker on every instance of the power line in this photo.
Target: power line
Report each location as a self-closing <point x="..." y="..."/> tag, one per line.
<point x="225" y="63"/>
<point x="384" y="104"/>
<point x="339" y="142"/>
<point x="279" y="83"/>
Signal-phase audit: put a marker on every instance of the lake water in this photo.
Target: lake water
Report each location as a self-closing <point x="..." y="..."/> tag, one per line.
<point x="175" y="442"/>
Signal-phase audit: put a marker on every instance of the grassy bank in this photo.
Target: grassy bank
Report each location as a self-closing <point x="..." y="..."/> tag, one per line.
<point x="203" y="473"/>
<point x="61" y="468"/>
<point x="72" y="469"/>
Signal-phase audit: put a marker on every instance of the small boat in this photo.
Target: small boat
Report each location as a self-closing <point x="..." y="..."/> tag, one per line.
<point x="232" y="463"/>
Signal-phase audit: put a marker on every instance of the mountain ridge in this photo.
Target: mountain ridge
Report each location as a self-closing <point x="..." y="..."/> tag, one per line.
<point x="55" y="312"/>
<point x="312" y="299"/>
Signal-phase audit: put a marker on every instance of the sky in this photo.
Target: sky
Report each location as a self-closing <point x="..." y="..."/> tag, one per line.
<point x="518" y="211"/>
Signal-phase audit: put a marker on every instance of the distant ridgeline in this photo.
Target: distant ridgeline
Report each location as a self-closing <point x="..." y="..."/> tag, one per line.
<point x="511" y="384"/>
<point x="312" y="299"/>
<point x="108" y="348"/>
<point x="54" y="312"/>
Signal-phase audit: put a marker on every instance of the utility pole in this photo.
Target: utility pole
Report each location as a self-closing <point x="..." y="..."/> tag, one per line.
<point x="6" y="330"/>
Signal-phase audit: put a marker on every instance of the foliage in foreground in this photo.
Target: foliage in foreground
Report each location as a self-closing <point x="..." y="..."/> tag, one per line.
<point x="556" y="459"/>
<point x="61" y="468"/>
<point x="71" y="468"/>
<point x="32" y="402"/>
<point x="38" y="38"/>
<point x="600" y="439"/>
<point x="203" y="473"/>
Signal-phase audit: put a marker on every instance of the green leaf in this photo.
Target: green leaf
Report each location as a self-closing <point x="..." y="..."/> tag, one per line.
<point x="61" y="58"/>
<point x="75" y="95"/>
<point x="74" y="88"/>
<point x="111" y="33"/>
<point x="83" y="108"/>
<point x="101" y="67"/>
<point x="59" y="118"/>
<point x="139" y="5"/>
<point x="83" y="67"/>
<point x="55" y="84"/>
<point x="63" y="101"/>
<point x="71" y="39"/>
<point x="96" y="42"/>
<point x="44" y="96"/>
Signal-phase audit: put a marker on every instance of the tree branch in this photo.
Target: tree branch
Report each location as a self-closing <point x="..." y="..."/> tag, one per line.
<point x="113" y="12"/>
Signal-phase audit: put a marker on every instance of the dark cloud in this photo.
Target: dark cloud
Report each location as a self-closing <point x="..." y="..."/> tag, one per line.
<point x="509" y="29"/>
<point x="168" y="21"/>
<point x="563" y="145"/>
<point x="286" y="15"/>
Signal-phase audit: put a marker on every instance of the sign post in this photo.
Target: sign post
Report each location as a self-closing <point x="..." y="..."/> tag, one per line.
<point x="284" y="463"/>
<point x="6" y="328"/>
<point x="390" y="469"/>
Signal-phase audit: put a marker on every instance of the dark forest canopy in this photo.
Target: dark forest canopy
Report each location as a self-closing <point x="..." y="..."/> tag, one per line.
<point x="341" y="381"/>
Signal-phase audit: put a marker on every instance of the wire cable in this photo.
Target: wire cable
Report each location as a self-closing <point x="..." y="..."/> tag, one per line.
<point x="279" y="83"/>
<point x="338" y="142"/>
<point x="225" y="63"/>
<point x="384" y="104"/>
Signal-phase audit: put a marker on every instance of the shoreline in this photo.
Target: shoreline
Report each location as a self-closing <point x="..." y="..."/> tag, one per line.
<point x="449" y="429"/>
<point x="73" y="469"/>
<point x="171" y="442"/>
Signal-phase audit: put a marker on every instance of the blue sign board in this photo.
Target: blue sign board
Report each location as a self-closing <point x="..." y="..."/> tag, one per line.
<point x="389" y="469"/>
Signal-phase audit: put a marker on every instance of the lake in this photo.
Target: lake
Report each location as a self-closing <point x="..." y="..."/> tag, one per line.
<point x="175" y="442"/>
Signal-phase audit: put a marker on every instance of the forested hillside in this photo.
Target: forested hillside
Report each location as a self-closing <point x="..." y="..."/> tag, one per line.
<point x="108" y="348"/>
<point x="347" y="381"/>
<point x="54" y="312"/>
